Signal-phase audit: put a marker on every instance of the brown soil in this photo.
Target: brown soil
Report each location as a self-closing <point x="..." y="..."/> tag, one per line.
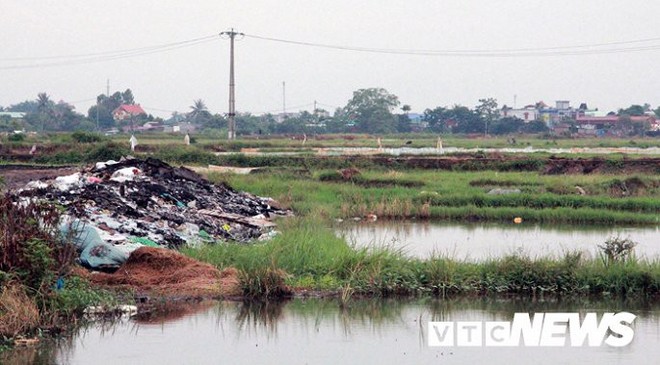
<point x="560" y="166"/>
<point x="16" y="176"/>
<point x="168" y="273"/>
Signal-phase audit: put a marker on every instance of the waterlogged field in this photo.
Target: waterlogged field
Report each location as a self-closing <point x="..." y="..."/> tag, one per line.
<point x="462" y="196"/>
<point x="481" y="241"/>
<point x="319" y="331"/>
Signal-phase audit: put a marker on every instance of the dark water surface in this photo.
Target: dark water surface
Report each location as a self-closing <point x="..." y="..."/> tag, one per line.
<point x="318" y="331"/>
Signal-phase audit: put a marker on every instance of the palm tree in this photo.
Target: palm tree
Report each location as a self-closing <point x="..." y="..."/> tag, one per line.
<point x="44" y="108"/>
<point x="198" y="109"/>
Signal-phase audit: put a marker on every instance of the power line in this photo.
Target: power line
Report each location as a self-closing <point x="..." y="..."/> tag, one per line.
<point x="108" y="56"/>
<point x="158" y="110"/>
<point x="577" y="50"/>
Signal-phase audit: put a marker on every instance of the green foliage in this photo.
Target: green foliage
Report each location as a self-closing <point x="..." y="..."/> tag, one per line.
<point x="546" y="201"/>
<point x="107" y="151"/>
<point x="370" y="110"/>
<point x="617" y="249"/>
<point x="309" y="256"/>
<point x="77" y="294"/>
<point x="86" y="137"/>
<point x="16" y="137"/>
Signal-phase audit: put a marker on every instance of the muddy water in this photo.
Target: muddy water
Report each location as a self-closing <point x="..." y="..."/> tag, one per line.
<point x="480" y="241"/>
<point x="316" y="331"/>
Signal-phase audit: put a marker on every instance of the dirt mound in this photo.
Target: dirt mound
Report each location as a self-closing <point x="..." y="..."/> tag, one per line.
<point x="560" y="166"/>
<point x="633" y="186"/>
<point x="166" y="272"/>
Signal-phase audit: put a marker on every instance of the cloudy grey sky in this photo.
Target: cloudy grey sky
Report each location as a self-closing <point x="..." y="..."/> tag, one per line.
<point x="168" y="81"/>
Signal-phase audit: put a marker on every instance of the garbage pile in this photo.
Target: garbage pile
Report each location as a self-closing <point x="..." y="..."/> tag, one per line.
<point x="117" y="206"/>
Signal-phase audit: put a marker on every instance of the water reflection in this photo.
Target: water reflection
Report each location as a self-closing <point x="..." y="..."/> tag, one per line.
<point x="482" y="241"/>
<point x="320" y="331"/>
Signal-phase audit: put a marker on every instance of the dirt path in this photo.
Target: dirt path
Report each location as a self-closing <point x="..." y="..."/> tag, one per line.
<point x="16" y="176"/>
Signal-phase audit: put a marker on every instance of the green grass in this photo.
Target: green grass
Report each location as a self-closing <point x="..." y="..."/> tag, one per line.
<point x="452" y="195"/>
<point x="310" y="256"/>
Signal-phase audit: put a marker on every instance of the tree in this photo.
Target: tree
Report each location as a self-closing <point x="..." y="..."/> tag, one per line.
<point x="127" y="97"/>
<point x="535" y="126"/>
<point x="487" y="110"/>
<point x="403" y="124"/>
<point x="466" y="120"/>
<point x="507" y="125"/>
<point x="634" y="110"/>
<point x="437" y="119"/>
<point x="44" y="115"/>
<point x="105" y="105"/>
<point x="199" y="114"/>
<point x="371" y="110"/>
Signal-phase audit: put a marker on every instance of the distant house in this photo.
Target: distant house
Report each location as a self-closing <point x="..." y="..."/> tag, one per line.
<point x="126" y="111"/>
<point x="13" y="115"/>
<point x="183" y="127"/>
<point x="527" y="114"/>
<point x="281" y="117"/>
<point x="606" y="125"/>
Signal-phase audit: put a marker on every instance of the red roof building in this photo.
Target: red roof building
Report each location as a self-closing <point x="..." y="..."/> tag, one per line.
<point x="125" y="111"/>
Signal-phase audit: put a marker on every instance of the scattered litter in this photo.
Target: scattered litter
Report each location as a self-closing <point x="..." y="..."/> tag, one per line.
<point x="66" y="183"/>
<point x="143" y="241"/>
<point x="95" y="311"/>
<point x="26" y="342"/>
<point x="499" y="191"/>
<point x="102" y="165"/>
<point x="125" y="174"/>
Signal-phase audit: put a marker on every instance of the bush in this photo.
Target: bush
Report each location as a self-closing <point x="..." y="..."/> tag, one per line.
<point x="30" y="248"/>
<point x="107" y="151"/>
<point x="16" y="137"/>
<point x="86" y="137"/>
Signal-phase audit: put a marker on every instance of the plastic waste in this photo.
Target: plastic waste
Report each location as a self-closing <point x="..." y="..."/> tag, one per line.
<point x="125" y="174"/>
<point x="68" y="182"/>
<point x="94" y="252"/>
<point x="144" y="241"/>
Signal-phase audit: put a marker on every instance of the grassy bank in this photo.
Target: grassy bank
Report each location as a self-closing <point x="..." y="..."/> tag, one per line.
<point x="308" y="256"/>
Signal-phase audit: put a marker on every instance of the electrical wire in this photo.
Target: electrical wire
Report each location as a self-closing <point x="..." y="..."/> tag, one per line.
<point x="108" y="56"/>
<point x="578" y="50"/>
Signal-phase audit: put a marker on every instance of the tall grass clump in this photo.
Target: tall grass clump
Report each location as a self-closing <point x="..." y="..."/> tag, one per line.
<point x="546" y="201"/>
<point x="36" y="285"/>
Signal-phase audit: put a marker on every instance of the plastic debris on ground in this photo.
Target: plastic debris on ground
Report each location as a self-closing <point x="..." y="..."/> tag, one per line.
<point x="117" y="207"/>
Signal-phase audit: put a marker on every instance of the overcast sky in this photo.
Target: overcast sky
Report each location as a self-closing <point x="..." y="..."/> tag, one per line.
<point x="167" y="81"/>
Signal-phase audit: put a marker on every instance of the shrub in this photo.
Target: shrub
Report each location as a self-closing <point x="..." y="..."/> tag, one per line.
<point x="617" y="249"/>
<point x="107" y="151"/>
<point x="30" y="248"/>
<point x="16" y="137"/>
<point x="86" y="137"/>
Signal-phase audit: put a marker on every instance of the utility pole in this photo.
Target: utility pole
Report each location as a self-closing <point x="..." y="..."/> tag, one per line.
<point x="231" y="34"/>
<point x="107" y="88"/>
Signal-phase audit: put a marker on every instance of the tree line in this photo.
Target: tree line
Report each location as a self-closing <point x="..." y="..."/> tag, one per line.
<point x="370" y="110"/>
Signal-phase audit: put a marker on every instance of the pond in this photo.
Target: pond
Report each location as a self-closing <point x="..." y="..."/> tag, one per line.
<point x="481" y="240"/>
<point x="319" y="331"/>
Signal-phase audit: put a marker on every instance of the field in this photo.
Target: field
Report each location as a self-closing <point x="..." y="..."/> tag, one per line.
<point x="308" y="259"/>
